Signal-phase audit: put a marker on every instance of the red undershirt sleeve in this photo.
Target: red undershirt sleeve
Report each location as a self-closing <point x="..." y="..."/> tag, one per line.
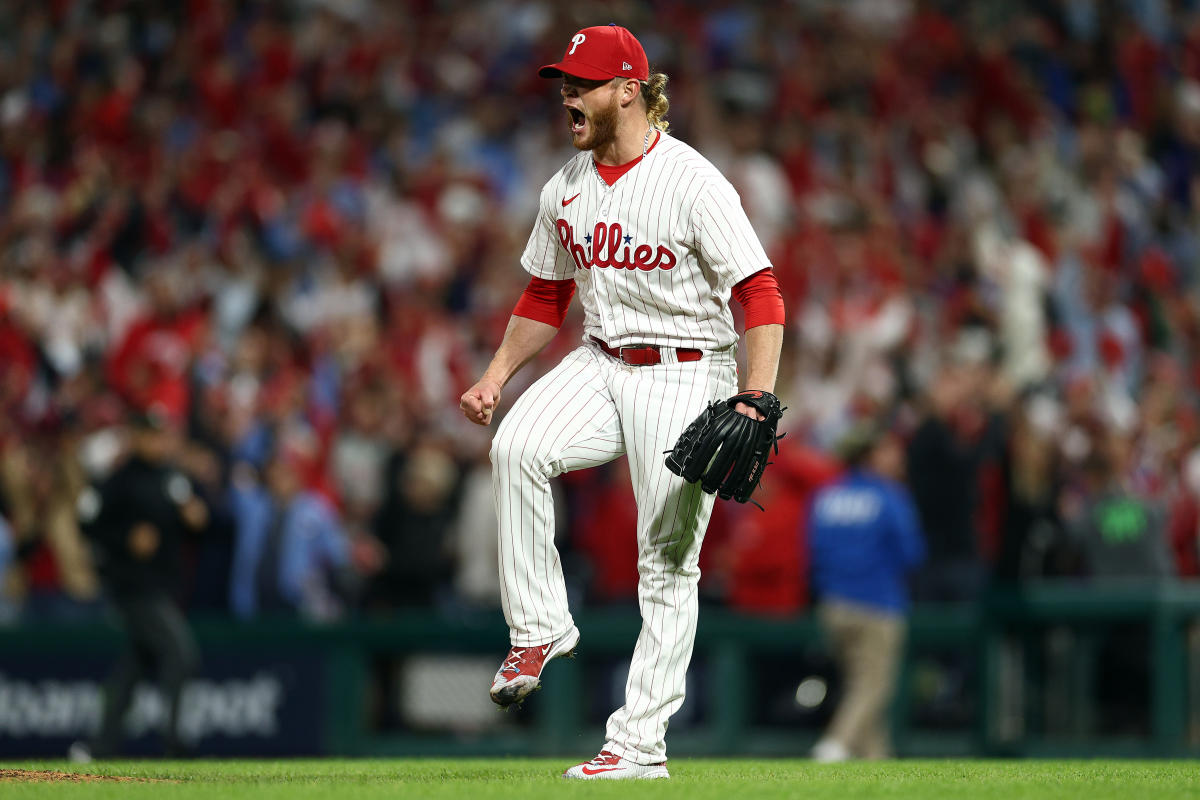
<point x="546" y="301"/>
<point x="761" y="299"/>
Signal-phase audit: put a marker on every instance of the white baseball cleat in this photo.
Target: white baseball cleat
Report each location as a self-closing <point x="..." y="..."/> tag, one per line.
<point x="521" y="672"/>
<point x="611" y="767"/>
<point x="830" y="751"/>
<point x="79" y="753"/>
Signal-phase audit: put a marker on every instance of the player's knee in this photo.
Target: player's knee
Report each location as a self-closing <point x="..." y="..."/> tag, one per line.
<point x="660" y="571"/>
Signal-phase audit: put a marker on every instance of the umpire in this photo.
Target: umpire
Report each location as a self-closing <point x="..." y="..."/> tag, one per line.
<point x="136" y="520"/>
<point x="865" y="538"/>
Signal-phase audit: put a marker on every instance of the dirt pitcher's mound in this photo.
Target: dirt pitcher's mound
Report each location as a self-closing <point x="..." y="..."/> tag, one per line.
<point x="49" y="775"/>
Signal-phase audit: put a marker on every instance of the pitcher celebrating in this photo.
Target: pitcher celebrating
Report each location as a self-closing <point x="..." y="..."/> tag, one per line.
<point x="655" y="240"/>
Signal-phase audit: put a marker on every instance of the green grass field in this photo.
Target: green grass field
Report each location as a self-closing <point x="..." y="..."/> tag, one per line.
<point x="694" y="779"/>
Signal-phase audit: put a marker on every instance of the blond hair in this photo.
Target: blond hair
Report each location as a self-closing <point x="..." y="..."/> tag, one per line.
<point x="654" y="94"/>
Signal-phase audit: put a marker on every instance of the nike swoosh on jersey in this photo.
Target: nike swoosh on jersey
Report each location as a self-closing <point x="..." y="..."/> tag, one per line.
<point x="566" y="202"/>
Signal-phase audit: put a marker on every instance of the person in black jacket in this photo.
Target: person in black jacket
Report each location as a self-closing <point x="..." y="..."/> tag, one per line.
<point x="136" y="520"/>
<point x="960" y="430"/>
<point x="414" y="525"/>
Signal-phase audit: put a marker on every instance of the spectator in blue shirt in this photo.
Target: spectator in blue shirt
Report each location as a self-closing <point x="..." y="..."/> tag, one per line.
<point x="865" y="536"/>
<point x="291" y="556"/>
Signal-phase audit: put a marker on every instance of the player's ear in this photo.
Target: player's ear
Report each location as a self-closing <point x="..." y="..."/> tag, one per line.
<point x="630" y="89"/>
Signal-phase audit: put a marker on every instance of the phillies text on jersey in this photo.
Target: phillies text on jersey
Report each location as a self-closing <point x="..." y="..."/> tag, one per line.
<point x="640" y="256"/>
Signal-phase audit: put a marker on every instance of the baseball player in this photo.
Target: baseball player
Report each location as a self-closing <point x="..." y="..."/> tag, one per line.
<point x="655" y="241"/>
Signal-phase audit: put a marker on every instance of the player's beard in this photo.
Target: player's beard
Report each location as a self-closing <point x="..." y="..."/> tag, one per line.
<point x="602" y="128"/>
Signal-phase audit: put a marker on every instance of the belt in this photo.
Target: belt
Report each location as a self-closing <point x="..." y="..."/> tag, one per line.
<point x="647" y="355"/>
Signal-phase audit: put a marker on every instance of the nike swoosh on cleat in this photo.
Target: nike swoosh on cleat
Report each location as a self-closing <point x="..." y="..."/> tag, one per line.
<point x="598" y="770"/>
<point x="566" y="202"/>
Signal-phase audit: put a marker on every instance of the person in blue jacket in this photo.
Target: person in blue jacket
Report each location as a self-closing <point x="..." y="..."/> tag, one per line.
<point x="291" y="556"/>
<point x="865" y="537"/>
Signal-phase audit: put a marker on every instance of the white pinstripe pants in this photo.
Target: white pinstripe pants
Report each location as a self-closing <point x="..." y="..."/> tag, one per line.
<point x="587" y="411"/>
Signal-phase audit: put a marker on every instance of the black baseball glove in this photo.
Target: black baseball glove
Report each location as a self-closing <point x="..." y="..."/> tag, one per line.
<point x="726" y="450"/>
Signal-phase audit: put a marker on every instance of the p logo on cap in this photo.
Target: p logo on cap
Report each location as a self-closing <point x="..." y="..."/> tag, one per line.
<point x="612" y="52"/>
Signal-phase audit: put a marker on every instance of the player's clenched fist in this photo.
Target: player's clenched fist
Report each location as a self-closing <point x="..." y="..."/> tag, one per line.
<point x="480" y="401"/>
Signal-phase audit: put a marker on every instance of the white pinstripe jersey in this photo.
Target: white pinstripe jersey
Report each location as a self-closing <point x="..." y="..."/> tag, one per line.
<point x="655" y="254"/>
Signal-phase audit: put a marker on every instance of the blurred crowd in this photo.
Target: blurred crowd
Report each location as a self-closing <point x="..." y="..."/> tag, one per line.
<point x="293" y="227"/>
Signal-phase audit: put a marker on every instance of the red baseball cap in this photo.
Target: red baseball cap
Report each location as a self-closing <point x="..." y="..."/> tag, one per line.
<point x="601" y="53"/>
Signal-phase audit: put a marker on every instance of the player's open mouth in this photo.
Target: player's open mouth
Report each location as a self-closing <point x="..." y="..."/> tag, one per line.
<point x="577" y="120"/>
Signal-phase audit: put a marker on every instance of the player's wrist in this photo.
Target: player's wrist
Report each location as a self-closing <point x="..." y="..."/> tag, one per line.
<point x="496" y="379"/>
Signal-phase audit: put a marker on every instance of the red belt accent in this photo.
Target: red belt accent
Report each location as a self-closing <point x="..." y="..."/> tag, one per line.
<point x="647" y="355"/>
